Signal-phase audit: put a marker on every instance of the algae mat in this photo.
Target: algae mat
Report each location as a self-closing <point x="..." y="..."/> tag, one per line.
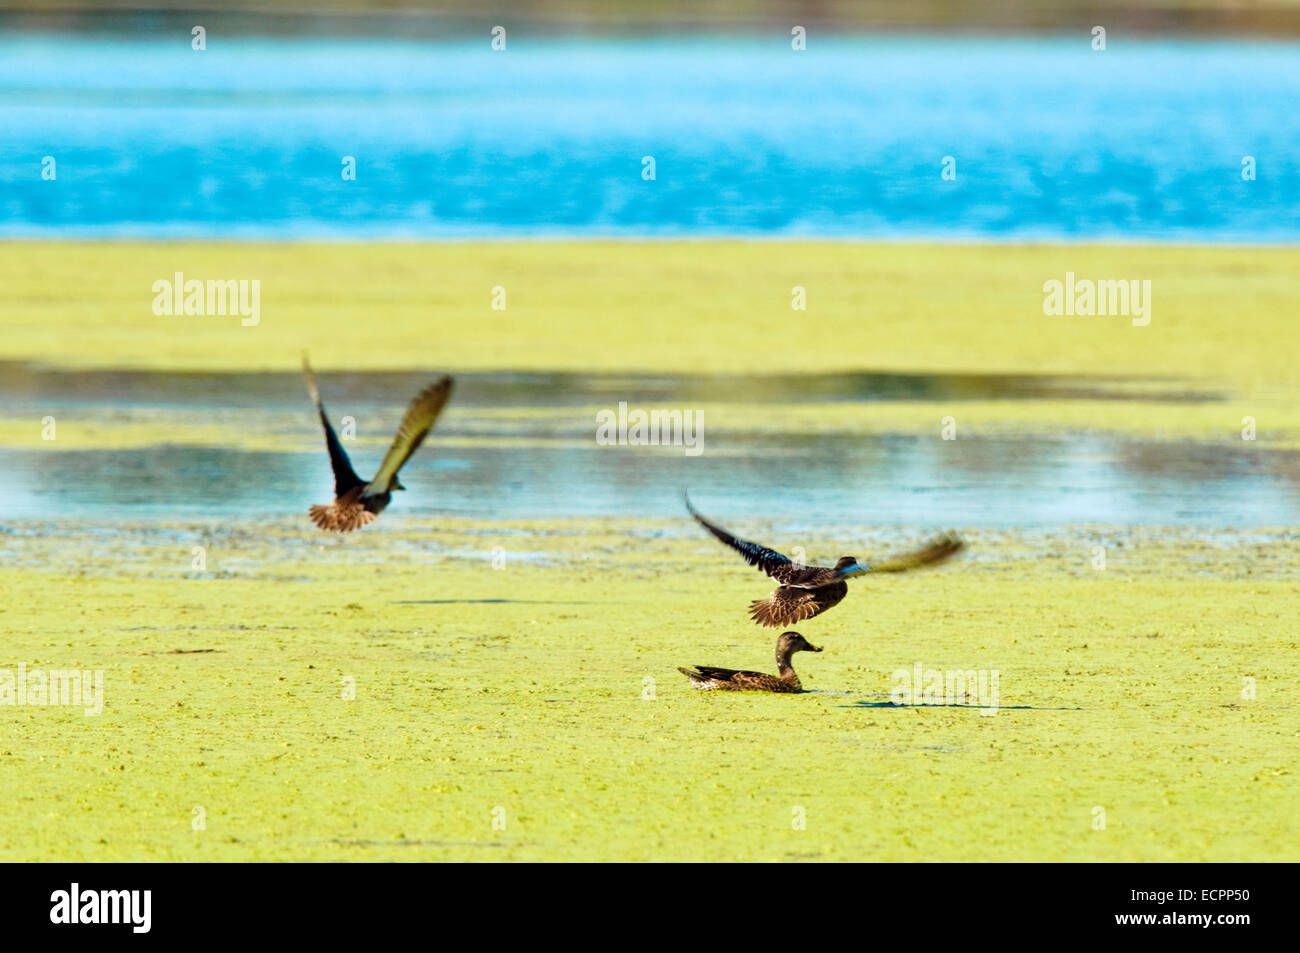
<point x="446" y="689"/>
<point x="1216" y="312"/>
<point x="516" y="697"/>
<point x="1220" y="318"/>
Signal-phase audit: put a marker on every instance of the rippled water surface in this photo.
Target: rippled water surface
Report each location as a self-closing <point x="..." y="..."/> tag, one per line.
<point x="1050" y="138"/>
<point x="517" y="446"/>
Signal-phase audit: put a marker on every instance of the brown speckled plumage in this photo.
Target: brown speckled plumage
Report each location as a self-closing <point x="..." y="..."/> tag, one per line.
<point x="356" y="502"/>
<point x="808" y="591"/>
<point x="348" y="512"/>
<point x="708" y="678"/>
<point x="790" y="605"/>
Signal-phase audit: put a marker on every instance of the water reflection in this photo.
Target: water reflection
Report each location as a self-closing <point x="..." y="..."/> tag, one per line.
<point x="552" y="466"/>
<point x="33" y="384"/>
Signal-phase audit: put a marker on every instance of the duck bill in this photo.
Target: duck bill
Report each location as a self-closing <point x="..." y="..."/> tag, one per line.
<point x="814" y="648"/>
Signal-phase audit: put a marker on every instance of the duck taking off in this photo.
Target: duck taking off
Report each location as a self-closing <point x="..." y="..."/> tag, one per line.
<point x="808" y="591"/>
<point x="356" y="502"/>
<point x="707" y="678"/>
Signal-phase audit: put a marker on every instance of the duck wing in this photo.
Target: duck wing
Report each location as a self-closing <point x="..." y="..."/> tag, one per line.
<point x="709" y="672"/>
<point x="774" y="564"/>
<point x="792" y="604"/>
<point x="935" y="551"/>
<point x="415" y="426"/>
<point x="345" y="478"/>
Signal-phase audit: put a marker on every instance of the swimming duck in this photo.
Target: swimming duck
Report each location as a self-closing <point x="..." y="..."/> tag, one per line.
<point x="707" y="678"/>
<point x="808" y="591"/>
<point x="356" y="502"/>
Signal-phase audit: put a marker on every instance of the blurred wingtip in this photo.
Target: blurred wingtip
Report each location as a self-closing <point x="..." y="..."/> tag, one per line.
<point x="690" y="507"/>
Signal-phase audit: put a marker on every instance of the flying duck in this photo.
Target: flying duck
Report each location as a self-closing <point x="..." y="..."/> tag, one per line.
<point x="707" y="678"/>
<point x="808" y="591"/>
<point x="356" y="502"/>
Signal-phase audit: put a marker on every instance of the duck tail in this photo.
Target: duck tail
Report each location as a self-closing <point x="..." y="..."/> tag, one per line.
<point x="340" y="518"/>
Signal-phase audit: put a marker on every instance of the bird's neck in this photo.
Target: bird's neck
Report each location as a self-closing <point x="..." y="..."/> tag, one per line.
<point x="785" y="669"/>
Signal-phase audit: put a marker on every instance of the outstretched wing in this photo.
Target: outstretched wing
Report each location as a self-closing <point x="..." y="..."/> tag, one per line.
<point x="790" y="605"/>
<point x="419" y="420"/>
<point x="345" y="478"/>
<point x="777" y="566"/>
<point x="935" y="551"/>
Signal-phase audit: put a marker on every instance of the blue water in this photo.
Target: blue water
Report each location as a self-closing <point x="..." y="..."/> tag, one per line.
<point x="1052" y="140"/>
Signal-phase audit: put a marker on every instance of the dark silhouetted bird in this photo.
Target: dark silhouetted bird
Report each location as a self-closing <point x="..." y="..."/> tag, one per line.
<point x="808" y="591"/>
<point x="707" y="678"/>
<point x="356" y="502"/>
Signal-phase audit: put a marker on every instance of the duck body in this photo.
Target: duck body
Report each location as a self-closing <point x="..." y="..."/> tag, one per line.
<point x="795" y="603"/>
<point x="356" y="501"/>
<point x="710" y="679"/>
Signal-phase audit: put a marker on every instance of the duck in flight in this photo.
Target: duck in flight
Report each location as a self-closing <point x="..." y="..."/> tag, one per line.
<point x="707" y="678"/>
<point x="808" y="591"/>
<point x="356" y="502"/>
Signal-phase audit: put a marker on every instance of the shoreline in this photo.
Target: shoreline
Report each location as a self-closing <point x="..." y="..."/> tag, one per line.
<point x="593" y="19"/>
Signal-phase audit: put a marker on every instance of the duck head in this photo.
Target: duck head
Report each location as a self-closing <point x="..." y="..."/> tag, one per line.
<point x="849" y="564"/>
<point x="791" y="642"/>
